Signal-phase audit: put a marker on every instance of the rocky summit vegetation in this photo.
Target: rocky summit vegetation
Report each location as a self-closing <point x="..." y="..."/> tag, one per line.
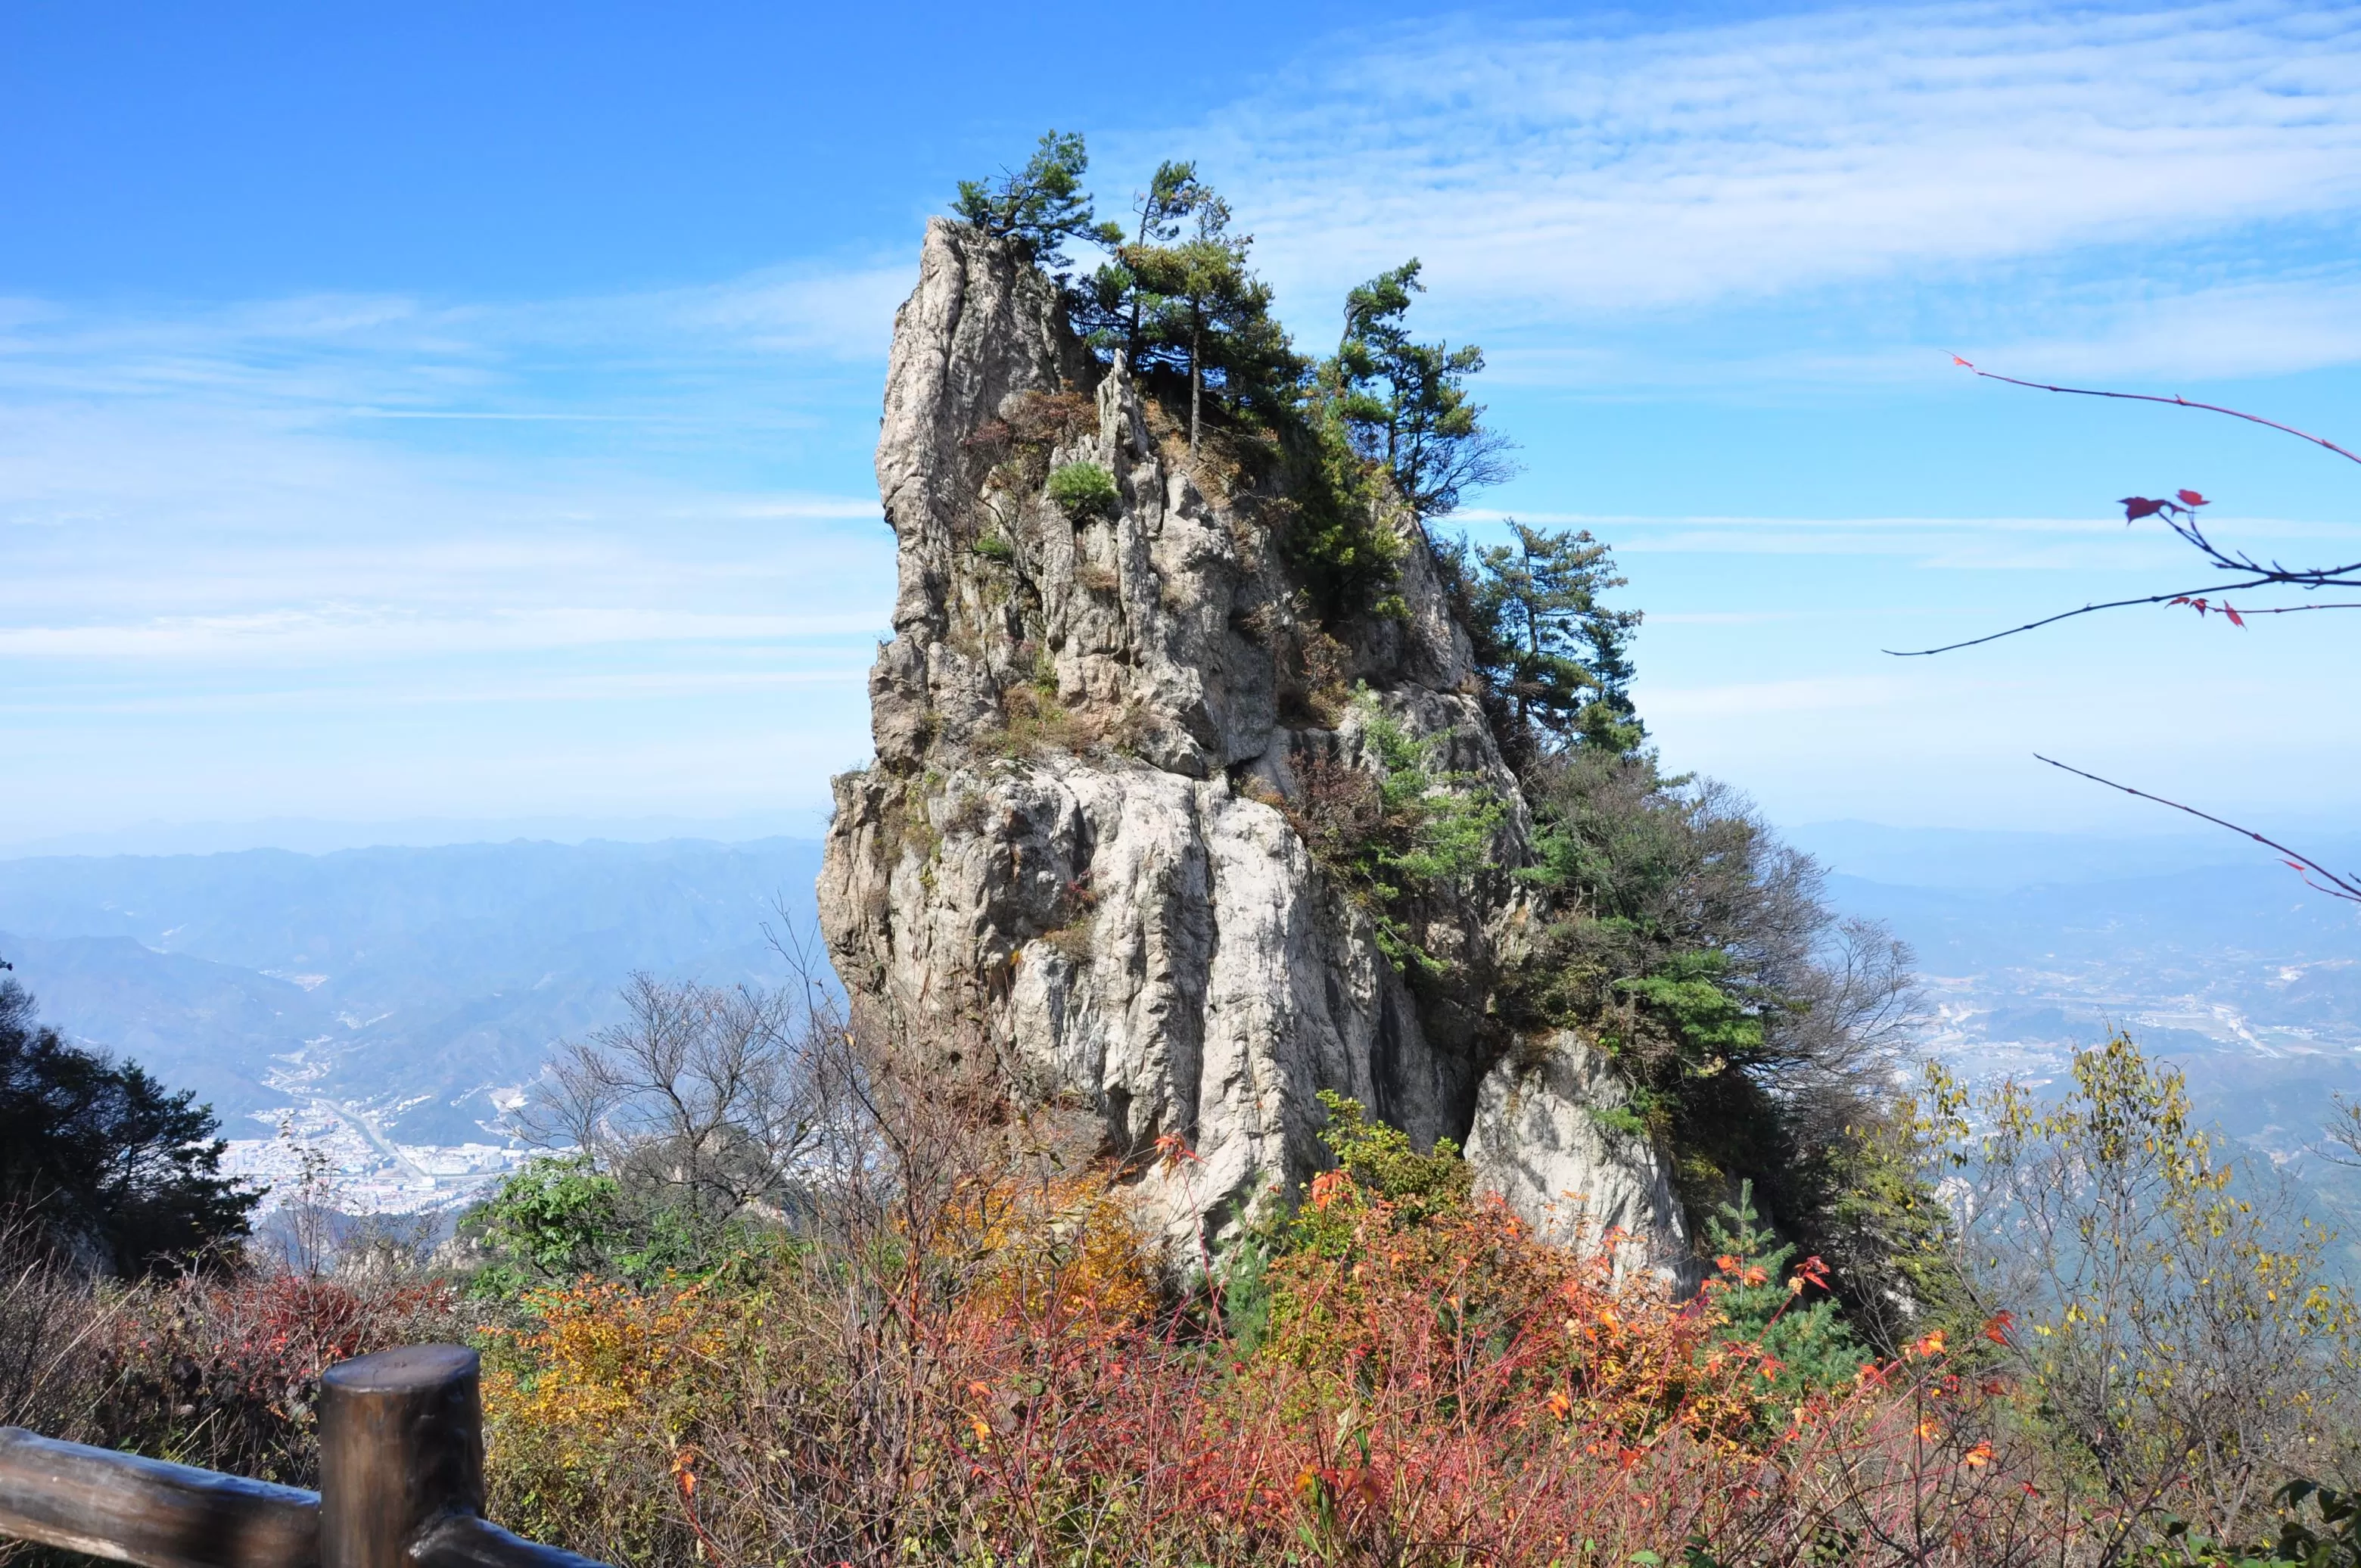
<point x="1308" y="1084"/>
<point x="1213" y="776"/>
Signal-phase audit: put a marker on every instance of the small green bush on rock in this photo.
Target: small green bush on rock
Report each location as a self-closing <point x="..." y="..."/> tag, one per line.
<point x="1084" y="489"/>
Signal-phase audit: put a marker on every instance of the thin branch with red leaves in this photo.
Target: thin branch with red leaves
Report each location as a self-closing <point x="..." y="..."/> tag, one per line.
<point x="2305" y="866"/>
<point x="2179" y="512"/>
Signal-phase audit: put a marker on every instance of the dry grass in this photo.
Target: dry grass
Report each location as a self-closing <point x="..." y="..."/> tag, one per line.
<point x="1036" y="722"/>
<point x="219" y="1370"/>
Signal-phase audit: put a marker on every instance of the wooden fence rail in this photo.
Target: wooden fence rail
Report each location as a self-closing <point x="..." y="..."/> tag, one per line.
<point x="402" y="1485"/>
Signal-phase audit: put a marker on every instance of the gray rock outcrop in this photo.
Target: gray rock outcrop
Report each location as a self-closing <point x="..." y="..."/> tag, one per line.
<point x="1541" y="1142"/>
<point x="1082" y="850"/>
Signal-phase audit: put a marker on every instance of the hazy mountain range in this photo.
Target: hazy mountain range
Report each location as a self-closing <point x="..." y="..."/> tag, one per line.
<point x="2206" y="949"/>
<point x="405" y="992"/>
<point x="417" y="982"/>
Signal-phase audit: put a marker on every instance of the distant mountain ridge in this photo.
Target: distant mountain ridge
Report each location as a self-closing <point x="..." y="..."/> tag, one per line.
<point x="417" y="982"/>
<point x="2211" y="954"/>
<point x="1994" y="860"/>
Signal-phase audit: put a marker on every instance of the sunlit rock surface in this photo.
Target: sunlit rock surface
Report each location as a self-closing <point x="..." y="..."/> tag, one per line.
<point x="1078" y="850"/>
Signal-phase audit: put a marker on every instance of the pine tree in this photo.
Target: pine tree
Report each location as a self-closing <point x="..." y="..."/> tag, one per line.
<point x="1040" y="206"/>
<point x="1406" y="403"/>
<point x="1114" y="309"/>
<point x="1179" y="297"/>
<point x="1809" y="1344"/>
<point x="108" y="1162"/>
<point x="1560" y="658"/>
<point x="1204" y="306"/>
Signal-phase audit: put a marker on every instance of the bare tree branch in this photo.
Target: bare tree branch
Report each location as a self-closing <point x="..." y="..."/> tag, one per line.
<point x="2189" y="596"/>
<point x="2152" y="398"/>
<point x="2180" y="514"/>
<point x="2302" y="865"/>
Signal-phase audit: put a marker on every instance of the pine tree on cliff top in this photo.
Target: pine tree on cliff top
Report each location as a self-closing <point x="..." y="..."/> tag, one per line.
<point x="1406" y="403"/>
<point x="1040" y="206"/>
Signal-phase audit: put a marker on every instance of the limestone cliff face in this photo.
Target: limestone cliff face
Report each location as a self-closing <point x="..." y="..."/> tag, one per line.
<point x="1080" y="850"/>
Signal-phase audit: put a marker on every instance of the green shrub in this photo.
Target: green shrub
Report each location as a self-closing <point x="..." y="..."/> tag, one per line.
<point x="1339" y="542"/>
<point x="557" y="1218"/>
<point x="1407" y="830"/>
<point x="1622" y="1120"/>
<point x="1753" y="1028"/>
<point x="1383" y="1161"/>
<point x="1811" y="1345"/>
<point x="1084" y="489"/>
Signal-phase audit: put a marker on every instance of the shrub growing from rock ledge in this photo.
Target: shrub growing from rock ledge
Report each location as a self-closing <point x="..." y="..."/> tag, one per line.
<point x="1083" y="489"/>
<point x="1406" y="830"/>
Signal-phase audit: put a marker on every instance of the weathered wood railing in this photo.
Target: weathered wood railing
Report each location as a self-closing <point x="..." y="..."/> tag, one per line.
<point x="402" y="1485"/>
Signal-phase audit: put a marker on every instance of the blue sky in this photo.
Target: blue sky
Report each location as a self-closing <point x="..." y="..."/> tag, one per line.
<point x="457" y="411"/>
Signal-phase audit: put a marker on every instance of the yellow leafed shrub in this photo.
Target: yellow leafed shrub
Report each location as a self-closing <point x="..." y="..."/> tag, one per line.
<point x="590" y="1411"/>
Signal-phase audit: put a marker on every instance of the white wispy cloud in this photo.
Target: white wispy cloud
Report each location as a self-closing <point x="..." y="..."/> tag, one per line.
<point x="2116" y="313"/>
<point x="2305" y="320"/>
<point x="296" y="511"/>
<point x="1976" y="544"/>
<point x="310" y="697"/>
<point x="349" y="632"/>
<point x="1566" y="174"/>
<point x="395" y="357"/>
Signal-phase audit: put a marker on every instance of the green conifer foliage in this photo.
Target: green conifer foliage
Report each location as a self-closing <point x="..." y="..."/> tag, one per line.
<point x="107" y="1161"/>
<point x="1551" y="650"/>
<point x="1114" y="309"/>
<point x="1084" y="489"/>
<point x="1413" y="831"/>
<point x="1768" y="1304"/>
<point x="1040" y="206"/>
<point x="1406" y="403"/>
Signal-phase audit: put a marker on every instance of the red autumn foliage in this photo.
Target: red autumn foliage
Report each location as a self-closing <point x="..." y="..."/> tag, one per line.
<point x="1449" y="1391"/>
<point x="223" y="1371"/>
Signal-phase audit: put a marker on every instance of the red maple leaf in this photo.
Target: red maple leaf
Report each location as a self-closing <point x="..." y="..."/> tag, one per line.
<point x="2138" y="507"/>
<point x="2235" y="619"/>
<point x="2192" y="498"/>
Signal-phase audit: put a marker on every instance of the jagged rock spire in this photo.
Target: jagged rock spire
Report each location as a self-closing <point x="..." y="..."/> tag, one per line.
<point x="1100" y="728"/>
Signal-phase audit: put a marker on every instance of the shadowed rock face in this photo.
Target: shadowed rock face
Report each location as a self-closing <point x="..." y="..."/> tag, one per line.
<point x="1078" y="852"/>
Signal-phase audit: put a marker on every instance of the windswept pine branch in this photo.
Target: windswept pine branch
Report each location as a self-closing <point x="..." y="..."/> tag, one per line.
<point x="2179" y="512"/>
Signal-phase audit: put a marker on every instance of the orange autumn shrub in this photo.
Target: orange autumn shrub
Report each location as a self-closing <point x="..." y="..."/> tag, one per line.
<point x="1472" y="1311"/>
<point x="1456" y="1392"/>
<point x="1437" y="1385"/>
<point x="827" y="1402"/>
<point x="1067" y="1249"/>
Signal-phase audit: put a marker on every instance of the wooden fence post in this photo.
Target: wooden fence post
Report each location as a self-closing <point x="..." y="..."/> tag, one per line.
<point x="402" y="1485"/>
<point x="401" y="1444"/>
